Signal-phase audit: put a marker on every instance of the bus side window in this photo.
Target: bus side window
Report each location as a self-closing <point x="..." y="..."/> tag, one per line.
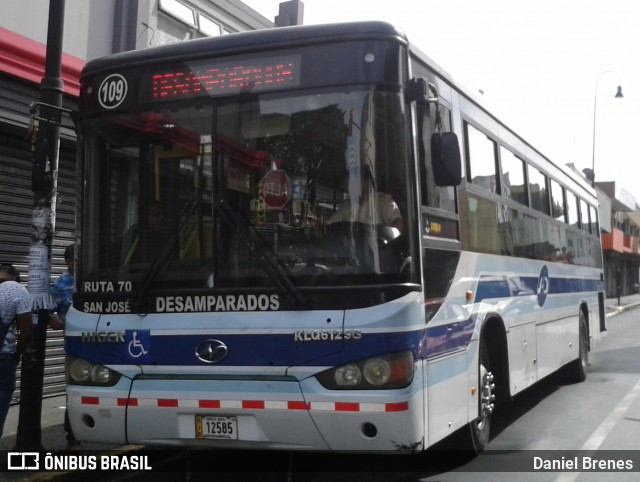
<point x="538" y="190"/>
<point x="433" y="196"/>
<point x="573" y="218"/>
<point x="513" y="180"/>
<point x="481" y="158"/>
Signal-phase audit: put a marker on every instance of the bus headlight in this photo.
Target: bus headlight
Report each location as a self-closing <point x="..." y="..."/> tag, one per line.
<point x="394" y="370"/>
<point x="79" y="371"/>
<point x="377" y="371"/>
<point x="348" y="375"/>
<point x="83" y="372"/>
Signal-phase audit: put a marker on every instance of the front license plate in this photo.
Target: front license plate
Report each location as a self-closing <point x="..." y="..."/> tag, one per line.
<point x="216" y="427"/>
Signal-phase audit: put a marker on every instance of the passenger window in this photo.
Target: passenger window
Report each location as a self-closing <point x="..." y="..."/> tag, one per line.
<point x="513" y="182"/>
<point x="572" y="209"/>
<point x="481" y="156"/>
<point x="584" y="216"/>
<point x="593" y="217"/>
<point x="538" y="190"/>
<point x="557" y="200"/>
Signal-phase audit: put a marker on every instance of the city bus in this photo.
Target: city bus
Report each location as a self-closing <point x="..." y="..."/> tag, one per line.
<point x="312" y="238"/>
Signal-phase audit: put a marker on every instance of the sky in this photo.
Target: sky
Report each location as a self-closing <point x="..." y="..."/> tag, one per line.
<point x="542" y="67"/>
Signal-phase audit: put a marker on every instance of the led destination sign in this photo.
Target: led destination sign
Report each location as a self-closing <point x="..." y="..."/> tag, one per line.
<point x="213" y="78"/>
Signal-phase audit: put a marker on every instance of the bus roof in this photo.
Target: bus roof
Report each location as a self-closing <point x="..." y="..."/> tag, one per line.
<point x="253" y="41"/>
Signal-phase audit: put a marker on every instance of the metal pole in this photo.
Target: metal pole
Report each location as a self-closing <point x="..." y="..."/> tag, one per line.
<point x="593" y="146"/>
<point x="595" y="104"/>
<point x="44" y="185"/>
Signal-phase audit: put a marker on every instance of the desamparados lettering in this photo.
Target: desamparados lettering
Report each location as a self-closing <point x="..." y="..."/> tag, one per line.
<point x="184" y="304"/>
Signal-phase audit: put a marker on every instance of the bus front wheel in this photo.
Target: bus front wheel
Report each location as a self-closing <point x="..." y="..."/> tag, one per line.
<point x="481" y="427"/>
<point x="576" y="371"/>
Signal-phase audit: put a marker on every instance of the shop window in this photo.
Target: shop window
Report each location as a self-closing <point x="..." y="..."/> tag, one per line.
<point x="179" y="11"/>
<point x="208" y="26"/>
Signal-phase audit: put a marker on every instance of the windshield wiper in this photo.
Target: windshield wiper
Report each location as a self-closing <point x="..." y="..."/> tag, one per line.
<point x="139" y="301"/>
<point x="263" y="253"/>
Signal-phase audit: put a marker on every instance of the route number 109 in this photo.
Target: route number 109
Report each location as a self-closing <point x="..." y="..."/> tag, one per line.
<point x="112" y="91"/>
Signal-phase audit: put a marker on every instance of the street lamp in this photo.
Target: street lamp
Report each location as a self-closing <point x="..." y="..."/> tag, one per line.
<point x="595" y="105"/>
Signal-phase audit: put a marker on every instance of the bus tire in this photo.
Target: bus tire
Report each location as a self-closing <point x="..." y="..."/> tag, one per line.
<point x="480" y="428"/>
<point x="576" y="371"/>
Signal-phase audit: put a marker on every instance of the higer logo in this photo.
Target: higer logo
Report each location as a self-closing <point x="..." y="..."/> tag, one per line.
<point x="103" y="336"/>
<point x="23" y="461"/>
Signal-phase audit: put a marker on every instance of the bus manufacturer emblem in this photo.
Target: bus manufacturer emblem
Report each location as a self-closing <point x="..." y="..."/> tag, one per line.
<point x="211" y="351"/>
<point x="543" y="286"/>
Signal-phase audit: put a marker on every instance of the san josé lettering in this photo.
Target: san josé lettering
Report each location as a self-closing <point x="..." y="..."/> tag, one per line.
<point x="107" y="307"/>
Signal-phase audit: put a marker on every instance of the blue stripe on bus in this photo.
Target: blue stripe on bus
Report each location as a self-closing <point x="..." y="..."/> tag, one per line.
<point x="279" y="349"/>
<point x="503" y="287"/>
<point x="574" y="285"/>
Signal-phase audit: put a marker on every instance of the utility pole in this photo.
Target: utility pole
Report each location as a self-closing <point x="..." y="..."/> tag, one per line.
<point x="44" y="185"/>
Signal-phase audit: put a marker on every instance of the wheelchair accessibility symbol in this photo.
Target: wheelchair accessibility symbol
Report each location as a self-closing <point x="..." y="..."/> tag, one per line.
<point x="138" y="343"/>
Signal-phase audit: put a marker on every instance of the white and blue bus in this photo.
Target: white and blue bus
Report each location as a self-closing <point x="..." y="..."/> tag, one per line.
<point x="312" y="238"/>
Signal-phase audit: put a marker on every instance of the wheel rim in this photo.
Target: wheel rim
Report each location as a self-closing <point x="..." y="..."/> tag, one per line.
<point x="487" y="397"/>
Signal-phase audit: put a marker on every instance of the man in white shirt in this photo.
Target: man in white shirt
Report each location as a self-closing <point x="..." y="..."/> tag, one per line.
<point x="15" y="305"/>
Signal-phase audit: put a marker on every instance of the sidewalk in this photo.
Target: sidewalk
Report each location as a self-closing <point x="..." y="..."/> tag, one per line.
<point x="626" y="303"/>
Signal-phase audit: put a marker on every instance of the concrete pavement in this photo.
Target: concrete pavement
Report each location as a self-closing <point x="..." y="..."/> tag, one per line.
<point x="626" y="303"/>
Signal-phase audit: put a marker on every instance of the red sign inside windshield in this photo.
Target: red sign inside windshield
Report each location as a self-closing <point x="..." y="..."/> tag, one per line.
<point x="276" y="189"/>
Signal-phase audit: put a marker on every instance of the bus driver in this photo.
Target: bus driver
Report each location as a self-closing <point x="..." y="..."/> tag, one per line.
<point x="370" y="207"/>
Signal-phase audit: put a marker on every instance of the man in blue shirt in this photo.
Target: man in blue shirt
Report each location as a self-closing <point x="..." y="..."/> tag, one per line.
<point x="62" y="288"/>
<point x="62" y="292"/>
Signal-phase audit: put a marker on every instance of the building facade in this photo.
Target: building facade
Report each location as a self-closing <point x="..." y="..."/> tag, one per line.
<point x="620" y="227"/>
<point x="92" y="29"/>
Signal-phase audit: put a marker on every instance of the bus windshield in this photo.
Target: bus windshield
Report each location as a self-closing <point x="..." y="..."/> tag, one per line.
<point x="253" y="191"/>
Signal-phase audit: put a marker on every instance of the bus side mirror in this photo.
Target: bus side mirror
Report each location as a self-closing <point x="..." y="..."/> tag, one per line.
<point x="445" y="159"/>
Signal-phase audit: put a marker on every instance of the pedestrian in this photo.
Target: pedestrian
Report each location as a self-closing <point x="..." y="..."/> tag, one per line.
<point x="16" y="327"/>
<point x="62" y="288"/>
<point x="62" y="292"/>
